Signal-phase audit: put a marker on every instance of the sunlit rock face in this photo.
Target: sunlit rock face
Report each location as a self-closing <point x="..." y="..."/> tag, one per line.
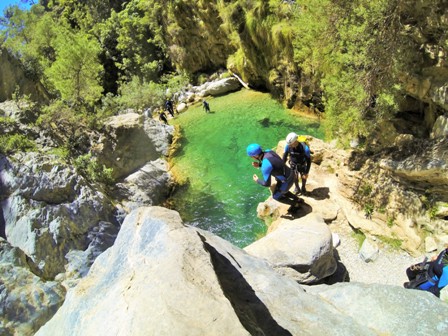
<point x="14" y="81"/>
<point x="164" y="278"/>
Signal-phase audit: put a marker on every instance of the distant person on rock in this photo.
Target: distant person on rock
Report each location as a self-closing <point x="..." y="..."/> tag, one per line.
<point x="169" y="107"/>
<point x="299" y="160"/>
<point x="272" y="166"/>
<point x="206" y="106"/>
<point x="162" y="117"/>
<point x="429" y="276"/>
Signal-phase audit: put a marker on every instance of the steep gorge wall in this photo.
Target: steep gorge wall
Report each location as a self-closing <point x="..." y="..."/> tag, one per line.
<point x="13" y="77"/>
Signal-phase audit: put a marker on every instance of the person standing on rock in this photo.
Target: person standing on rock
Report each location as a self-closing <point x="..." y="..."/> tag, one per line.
<point x="169" y="107"/>
<point x="271" y="165"/>
<point x="162" y="117"/>
<point x="299" y="160"/>
<point x="206" y="106"/>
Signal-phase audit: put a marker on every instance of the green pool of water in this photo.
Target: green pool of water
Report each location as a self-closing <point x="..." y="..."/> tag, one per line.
<point x="219" y="194"/>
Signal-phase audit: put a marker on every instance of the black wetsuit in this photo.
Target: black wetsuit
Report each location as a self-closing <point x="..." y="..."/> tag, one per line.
<point x="272" y="165"/>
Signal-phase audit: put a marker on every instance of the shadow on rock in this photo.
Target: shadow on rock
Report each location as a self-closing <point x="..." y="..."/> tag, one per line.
<point x="319" y="194"/>
<point x="340" y="275"/>
<point x="302" y="211"/>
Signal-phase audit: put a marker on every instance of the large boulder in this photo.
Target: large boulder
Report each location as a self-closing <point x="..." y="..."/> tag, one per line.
<point x="301" y="248"/>
<point x="150" y="185"/>
<point x="164" y="278"/>
<point x="129" y="143"/>
<point x="219" y="87"/>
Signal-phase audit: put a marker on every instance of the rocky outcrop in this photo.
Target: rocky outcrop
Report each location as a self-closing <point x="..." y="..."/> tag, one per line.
<point x="300" y="248"/>
<point x="219" y="87"/>
<point x="400" y="200"/>
<point x="150" y="185"/>
<point x="49" y="210"/>
<point x="164" y="278"/>
<point x="26" y="301"/>
<point x="129" y="142"/>
<point x="212" y="88"/>
<point x="14" y="78"/>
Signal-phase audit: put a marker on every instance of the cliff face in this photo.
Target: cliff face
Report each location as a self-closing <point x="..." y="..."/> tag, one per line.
<point x="14" y="80"/>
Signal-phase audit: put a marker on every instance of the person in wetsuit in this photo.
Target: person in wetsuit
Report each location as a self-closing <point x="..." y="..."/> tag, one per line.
<point x="162" y="117"/>
<point x="299" y="160"/>
<point x="206" y="106"/>
<point x="272" y="166"/>
<point x="429" y="276"/>
<point x="169" y="107"/>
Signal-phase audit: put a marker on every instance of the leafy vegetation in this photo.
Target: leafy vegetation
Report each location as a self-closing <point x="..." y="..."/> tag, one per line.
<point x="89" y="167"/>
<point x="15" y="143"/>
<point x="97" y="56"/>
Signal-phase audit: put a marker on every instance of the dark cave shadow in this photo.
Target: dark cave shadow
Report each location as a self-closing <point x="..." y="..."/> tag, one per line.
<point x="251" y="311"/>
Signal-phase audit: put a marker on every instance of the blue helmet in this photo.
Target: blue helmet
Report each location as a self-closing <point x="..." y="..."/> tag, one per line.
<point x="254" y="149"/>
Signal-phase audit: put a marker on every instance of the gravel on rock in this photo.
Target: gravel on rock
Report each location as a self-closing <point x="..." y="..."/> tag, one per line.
<point x="389" y="268"/>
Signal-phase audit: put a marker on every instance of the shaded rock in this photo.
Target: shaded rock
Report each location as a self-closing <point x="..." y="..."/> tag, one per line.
<point x="440" y="128"/>
<point x="150" y="185"/>
<point x="13" y="76"/>
<point x="302" y="249"/>
<point x="26" y="302"/>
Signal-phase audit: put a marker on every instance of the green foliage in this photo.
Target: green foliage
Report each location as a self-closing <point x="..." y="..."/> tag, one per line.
<point x="359" y="236"/>
<point x="395" y="243"/>
<point x="89" y="167"/>
<point x="368" y="209"/>
<point x="65" y="124"/>
<point x="13" y="143"/>
<point x="75" y="72"/>
<point x="6" y="122"/>
<point x="390" y="221"/>
<point x="61" y="152"/>
<point x="365" y="189"/>
<point x="138" y="95"/>
<point x="351" y="50"/>
<point x="430" y="205"/>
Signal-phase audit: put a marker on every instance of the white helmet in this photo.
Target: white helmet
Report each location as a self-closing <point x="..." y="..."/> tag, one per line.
<point x="291" y="138"/>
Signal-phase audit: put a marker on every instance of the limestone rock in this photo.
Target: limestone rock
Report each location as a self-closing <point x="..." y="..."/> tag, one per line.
<point x="26" y="301"/>
<point x="369" y="250"/>
<point x="129" y="143"/>
<point x="13" y="76"/>
<point x="220" y="87"/>
<point x="163" y="278"/>
<point x="150" y="185"/>
<point x="302" y="249"/>
<point x="48" y="210"/>
<point x="387" y="310"/>
<point x="440" y="128"/>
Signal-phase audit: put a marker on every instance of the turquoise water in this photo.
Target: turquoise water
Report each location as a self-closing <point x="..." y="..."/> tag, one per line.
<point x="219" y="194"/>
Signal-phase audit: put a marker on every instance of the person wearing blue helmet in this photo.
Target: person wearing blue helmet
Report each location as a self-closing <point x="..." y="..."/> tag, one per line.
<point x="272" y="165"/>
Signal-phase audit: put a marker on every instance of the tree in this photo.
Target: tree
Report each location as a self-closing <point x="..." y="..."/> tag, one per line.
<point x="76" y="71"/>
